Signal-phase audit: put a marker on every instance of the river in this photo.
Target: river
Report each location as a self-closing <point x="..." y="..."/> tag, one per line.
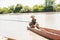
<point x="15" y="25"/>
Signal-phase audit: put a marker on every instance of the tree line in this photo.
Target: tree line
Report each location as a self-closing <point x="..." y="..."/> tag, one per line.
<point x="19" y="8"/>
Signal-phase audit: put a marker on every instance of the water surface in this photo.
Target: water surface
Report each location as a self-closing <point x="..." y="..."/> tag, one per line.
<point x="15" y="26"/>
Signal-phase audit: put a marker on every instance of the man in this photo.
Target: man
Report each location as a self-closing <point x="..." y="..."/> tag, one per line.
<point x="33" y="23"/>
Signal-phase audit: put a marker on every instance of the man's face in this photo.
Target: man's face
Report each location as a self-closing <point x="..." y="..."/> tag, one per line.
<point x="32" y="16"/>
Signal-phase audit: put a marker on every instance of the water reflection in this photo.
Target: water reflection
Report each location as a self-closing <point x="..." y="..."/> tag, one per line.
<point x="50" y="20"/>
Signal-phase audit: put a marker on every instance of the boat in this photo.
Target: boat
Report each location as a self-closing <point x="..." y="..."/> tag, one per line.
<point x="48" y="33"/>
<point x="8" y="38"/>
<point x="2" y="37"/>
<point x="11" y="39"/>
<point x="52" y="30"/>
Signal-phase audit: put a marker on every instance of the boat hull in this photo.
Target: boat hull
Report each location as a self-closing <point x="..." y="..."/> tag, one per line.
<point x="52" y="30"/>
<point x="47" y="34"/>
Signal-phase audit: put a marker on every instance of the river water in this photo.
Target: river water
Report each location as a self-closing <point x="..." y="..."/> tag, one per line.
<point x="15" y="26"/>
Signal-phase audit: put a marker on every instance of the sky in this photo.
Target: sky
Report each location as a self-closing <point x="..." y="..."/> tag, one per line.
<point x="6" y="3"/>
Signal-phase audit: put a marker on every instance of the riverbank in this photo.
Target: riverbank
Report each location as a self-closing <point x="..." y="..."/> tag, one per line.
<point x="32" y="13"/>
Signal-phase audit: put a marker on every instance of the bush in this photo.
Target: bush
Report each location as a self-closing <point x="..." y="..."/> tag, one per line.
<point x="38" y="8"/>
<point x="48" y="9"/>
<point x="25" y="9"/>
<point x="11" y="9"/>
<point x="18" y="8"/>
<point x="3" y="10"/>
<point x="57" y="8"/>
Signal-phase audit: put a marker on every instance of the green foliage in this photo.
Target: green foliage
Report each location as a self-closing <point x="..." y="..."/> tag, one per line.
<point x="25" y="9"/>
<point x="18" y="8"/>
<point x="35" y="8"/>
<point x="3" y="10"/>
<point x="48" y="9"/>
<point x="11" y="9"/>
<point x="41" y="8"/>
<point x="57" y="8"/>
<point x="38" y="8"/>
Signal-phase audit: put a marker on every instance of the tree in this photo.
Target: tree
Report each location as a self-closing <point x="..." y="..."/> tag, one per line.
<point x="40" y="8"/>
<point x="25" y="9"/>
<point x="18" y="8"/>
<point x="11" y="9"/>
<point x="49" y="6"/>
<point x="57" y="8"/>
<point x="35" y="8"/>
<point x="1" y="12"/>
<point x="4" y="10"/>
<point x="48" y="9"/>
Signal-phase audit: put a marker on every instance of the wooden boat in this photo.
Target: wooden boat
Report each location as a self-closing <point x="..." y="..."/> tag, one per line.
<point x="47" y="33"/>
<point x="52" y="30"/>
<point x="8" y="38"/>
<point x="11" y="39"/>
